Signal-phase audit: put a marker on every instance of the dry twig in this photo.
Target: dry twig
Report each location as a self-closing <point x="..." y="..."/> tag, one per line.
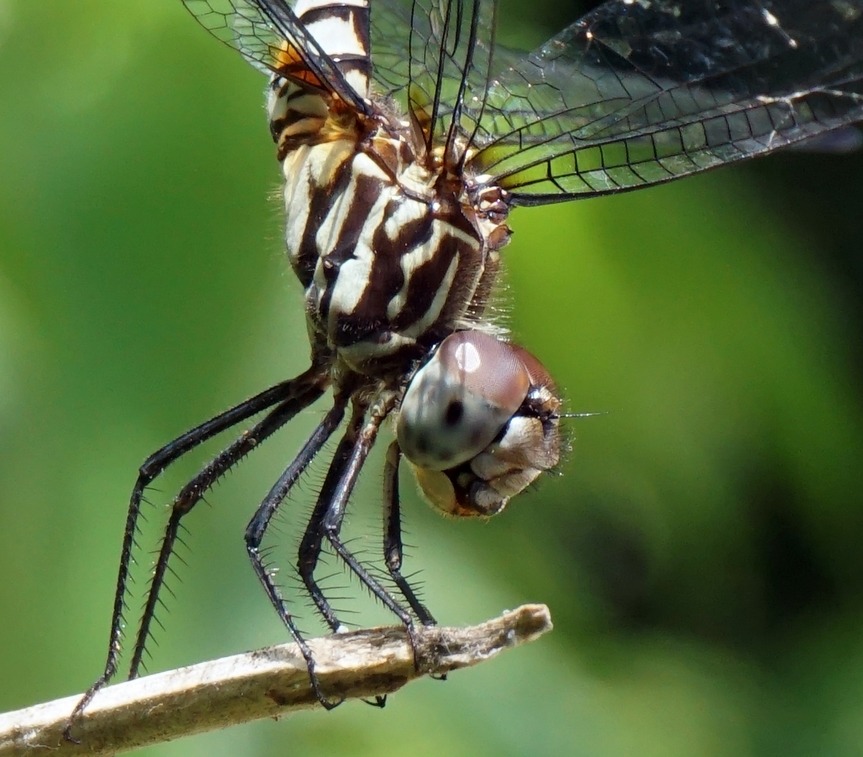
<point x="265" y="683"/>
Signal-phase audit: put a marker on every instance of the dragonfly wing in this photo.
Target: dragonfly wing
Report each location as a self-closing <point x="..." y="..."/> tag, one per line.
<point x="639" y="93"/>
<point x="434" y="58"/>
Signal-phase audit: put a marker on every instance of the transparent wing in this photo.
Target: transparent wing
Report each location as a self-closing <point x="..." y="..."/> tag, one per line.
<point x="390" y="26"/>
<point x="638" y="93"/>
<point x="450" y="54"/>
<point x="431" y="56"/>
<point x="270" y="36"/>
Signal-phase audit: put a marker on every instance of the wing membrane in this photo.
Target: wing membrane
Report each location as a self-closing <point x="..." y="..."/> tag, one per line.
<point x="390" y="26"/>
<point x="638" y="93"/>
<point x="270" y="36"/>
<point x="433" y="57"/>
<point x="392" y="22"/>
<point x="633" y="94"/>
<point x="449" y="62"/>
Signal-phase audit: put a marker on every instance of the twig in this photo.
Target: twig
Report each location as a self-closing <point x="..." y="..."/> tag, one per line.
<point x="261" y="684"/>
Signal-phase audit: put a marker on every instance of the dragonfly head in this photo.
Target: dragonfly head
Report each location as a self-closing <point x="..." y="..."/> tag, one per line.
<point x="478" y="423"/>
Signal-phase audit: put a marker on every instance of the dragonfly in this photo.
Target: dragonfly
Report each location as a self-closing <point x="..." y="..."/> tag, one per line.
<point x="406" y="135"/>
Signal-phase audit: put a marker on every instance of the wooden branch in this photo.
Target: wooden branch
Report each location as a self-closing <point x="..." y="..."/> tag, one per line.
<point x="262" y="684"/>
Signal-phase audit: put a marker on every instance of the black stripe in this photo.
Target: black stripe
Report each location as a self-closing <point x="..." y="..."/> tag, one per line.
<point x="320" y="204"/>
<point x="475" y="276"/>
<point x="341" y="11"/>
<point x="369" y="321"/>
<point x="366" y="192"/>
<point x="426" y="281"/>
<point x="349" y="63"/>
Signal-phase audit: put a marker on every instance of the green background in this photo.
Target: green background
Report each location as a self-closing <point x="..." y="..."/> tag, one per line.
<point x="700" y="553"/>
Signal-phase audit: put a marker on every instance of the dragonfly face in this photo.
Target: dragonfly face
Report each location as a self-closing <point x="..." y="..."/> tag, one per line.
<point x="405" y="138"/>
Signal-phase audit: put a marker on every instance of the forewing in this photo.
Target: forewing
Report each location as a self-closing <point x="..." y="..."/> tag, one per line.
<point x="640" y="92"/>
<point x="270" y="36"/>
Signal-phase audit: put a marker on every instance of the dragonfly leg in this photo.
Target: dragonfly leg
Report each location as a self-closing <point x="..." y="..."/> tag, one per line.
<point x="260" y="521"/>
<point x="289" y="397"/>
<point x="393" y="549"/>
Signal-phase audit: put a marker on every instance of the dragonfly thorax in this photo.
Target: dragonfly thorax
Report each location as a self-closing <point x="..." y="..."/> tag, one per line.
<point x="393" y="257"/>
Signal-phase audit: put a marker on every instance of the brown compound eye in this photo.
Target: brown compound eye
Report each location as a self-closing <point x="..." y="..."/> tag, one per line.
<point x="479" y="423"/>
<point x="460" y="400"/>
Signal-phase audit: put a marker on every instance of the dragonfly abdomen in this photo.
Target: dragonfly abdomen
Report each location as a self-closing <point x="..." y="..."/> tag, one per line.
<point x="299" y="99"/>
<point x="342" y="30"/>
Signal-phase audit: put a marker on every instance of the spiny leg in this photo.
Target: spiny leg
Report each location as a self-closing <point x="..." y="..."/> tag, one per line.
<point x="393" y="552"/>
<point x="193" y="492"/>
<point x="335" y="513"/>
<point x="329" y="513"/>
<point x="260" y="521"/>
<point x="296" y="393"/>
<point x="312" y="541"/>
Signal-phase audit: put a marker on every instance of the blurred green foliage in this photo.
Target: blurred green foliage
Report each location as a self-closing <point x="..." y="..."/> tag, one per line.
<point x="700" y="552"/>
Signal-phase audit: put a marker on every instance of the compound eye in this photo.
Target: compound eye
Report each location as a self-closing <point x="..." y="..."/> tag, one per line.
<point x="458" y="402"/>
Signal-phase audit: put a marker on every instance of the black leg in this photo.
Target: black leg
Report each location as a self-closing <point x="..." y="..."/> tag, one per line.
<point x="334" y="514"/>
<point x="329" y="513"/>
<point x="326" y="521"/>
<point x="312" y="542"/>
<point x="292" y="396"/>
<point x="393" y="552"/>
<point x="260" y="521"/>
